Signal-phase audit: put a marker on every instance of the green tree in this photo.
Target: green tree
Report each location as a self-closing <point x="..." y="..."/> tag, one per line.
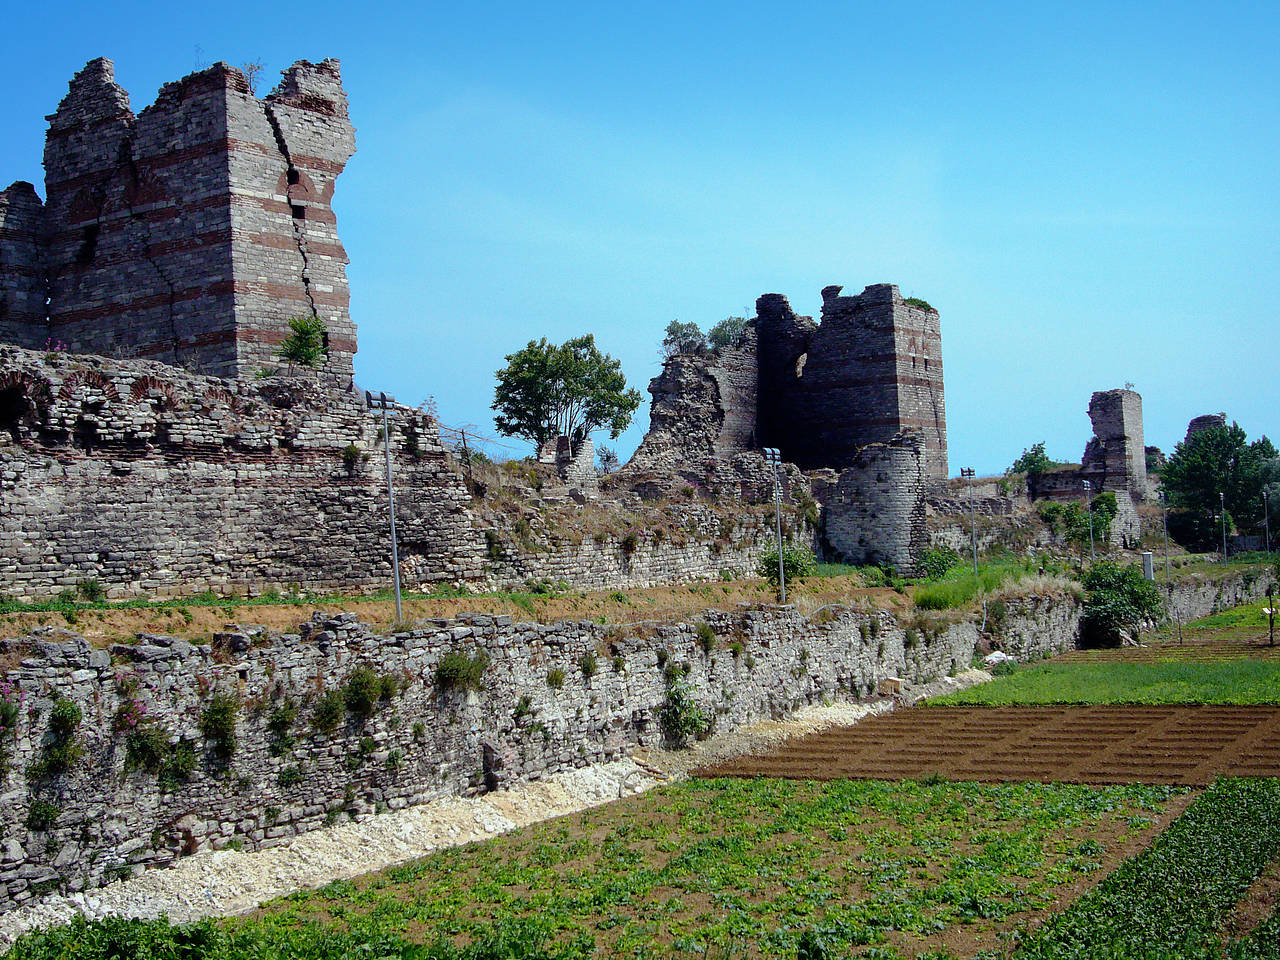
<point x="1117" y="601"/>
<point x="305" y="343"/>
<point x="682" y="338"/>
<point x="1216" y="461"/>
<point x="547" y="391"/>
<point x="1032" y="462"/>
<point x="726" y="332"/>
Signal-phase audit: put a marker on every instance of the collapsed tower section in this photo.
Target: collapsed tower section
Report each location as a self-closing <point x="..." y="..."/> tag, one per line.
<point x="191" y="233"/>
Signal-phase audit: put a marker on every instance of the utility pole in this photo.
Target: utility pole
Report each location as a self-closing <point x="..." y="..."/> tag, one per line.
<point x="1088" y="502"/>
<point x="383" y="404"/>
<point x="967" y="473"/>
<point x="774" y="458"/>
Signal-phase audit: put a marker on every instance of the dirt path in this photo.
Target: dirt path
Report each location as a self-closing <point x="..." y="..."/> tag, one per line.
<point x="1187" y="745"/>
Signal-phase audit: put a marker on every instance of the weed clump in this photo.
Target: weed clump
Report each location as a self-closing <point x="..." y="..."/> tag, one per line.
<point x="458" y="671"/>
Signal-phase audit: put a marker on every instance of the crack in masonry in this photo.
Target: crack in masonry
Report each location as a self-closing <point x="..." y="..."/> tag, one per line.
<point x="135" y="181"/>
<point x="299" y="230"/>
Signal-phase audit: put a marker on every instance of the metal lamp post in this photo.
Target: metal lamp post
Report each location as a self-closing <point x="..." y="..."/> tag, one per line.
<point x="1266" y="518"/>
<point x="1089" y="507"/>
<point x="1222" y="501"/>
<point x="382" y="403"/>
<point x="774" y="458"/>
<point x="967" y="473"/>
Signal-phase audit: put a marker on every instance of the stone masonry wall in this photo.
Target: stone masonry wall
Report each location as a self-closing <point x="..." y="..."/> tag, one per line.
<point x="538" y="710"/>
<point x="549" y="697"/>
<point x="157" y="482"/>
<point x="189" y="233"/>
<point x="875" y="511"/>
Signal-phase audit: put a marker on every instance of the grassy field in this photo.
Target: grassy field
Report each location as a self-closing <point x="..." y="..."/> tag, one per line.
<point x="1227" y="682"/>
<point x="729" y="868"/>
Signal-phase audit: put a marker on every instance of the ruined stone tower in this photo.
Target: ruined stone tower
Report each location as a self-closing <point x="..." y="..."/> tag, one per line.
<point x="190" y="233"/>
<point x="870" y="370"/>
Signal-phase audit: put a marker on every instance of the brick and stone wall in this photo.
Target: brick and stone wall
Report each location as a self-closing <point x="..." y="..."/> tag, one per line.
<point x="190" y="233"/>
<point x="23" y="287"/>
<point x="154" y="481"/>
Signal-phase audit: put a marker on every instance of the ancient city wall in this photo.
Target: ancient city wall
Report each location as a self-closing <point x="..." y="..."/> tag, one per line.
<point x="336" y="721"/>
<point x="153" y="481"/>
<point x="552" y="697"/>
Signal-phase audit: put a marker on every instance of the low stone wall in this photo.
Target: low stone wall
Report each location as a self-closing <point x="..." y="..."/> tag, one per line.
<point x="552" y="696"/>
<point x="83" y="806"/>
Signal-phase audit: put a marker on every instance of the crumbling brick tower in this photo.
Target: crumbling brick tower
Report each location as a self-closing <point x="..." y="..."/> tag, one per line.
<point x="190" y="233"/>
<point x="870" y="370"/>
<point x="1115" y="459"/>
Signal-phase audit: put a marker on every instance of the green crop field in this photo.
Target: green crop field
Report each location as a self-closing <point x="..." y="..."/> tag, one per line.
<point x="712" y="868"/>
<point x="1227" y="682"/>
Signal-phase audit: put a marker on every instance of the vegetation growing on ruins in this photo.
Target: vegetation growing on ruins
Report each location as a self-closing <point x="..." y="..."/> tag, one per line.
<point x="683" y="337"/>
<point x="459" y="671"/>
<point x="62" y="748"/>
<point x="218" y="724"/>
<point x="571" y="390"/>
<point x="304" y="344"/>
<point x="798" y="562"/>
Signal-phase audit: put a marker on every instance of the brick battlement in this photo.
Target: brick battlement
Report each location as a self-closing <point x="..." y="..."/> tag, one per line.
<point x="189" y="233"/>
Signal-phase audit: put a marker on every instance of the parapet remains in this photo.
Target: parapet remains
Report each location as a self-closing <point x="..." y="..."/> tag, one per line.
<point x="857" y="397"/>
<point x="1115" y="461"/>
<point x="819" y="392"/>
<point x="190" y="233"/>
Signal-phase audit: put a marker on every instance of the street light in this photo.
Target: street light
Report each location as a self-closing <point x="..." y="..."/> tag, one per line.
<point x="1266" y="517"/>
<point x="1168" y="581"/>
<point x="1222" y="501"/>
<point x="382" y="403"/>
<point x="774" y="459"/>
<point x="1089" y="506"/>
<point x="967" y="473"/>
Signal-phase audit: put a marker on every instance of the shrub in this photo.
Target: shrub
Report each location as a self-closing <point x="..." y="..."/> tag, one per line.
<point x="10" y="709"/>
<point x="1116" y="603"/>
<point x="329" y="711"/>
<point x="587" y="664"/>
<point x="351" y="457"/>
<point x="555" y="678"/>
<point x="457" y="671"/>
<point x="63" y="750"/>
<point x="917" y="302"/>
<point x="706" y="638"/>
<point x="629" y="544"/>
<point x="42" y="814"/>
<point x="218" y="724"/>
<point x="305" y="343"/>
<point x="177" y="767"/>
<point x="145" y="747"/>
<point x="936" y="561"/>
<point x="362" y="692"/>
<point x="90" y="590"/>
<point x="797" y="561"/>
<point x="680" y="717"/>
<point x="289" y="777"/>
<point x="280" y="727"/>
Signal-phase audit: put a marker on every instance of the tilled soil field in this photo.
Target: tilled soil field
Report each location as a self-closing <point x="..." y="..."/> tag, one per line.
<point x="1182" y="745"/>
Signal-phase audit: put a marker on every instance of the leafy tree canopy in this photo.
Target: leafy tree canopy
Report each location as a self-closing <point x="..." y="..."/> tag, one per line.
<point x="1032" y="462"/>
<point x="547" y="391"/>
<point x="726" y="331"/>
<point x="1117" y="601"/>
<point x="683" y="338"/>
<point x="1214" y="461"/>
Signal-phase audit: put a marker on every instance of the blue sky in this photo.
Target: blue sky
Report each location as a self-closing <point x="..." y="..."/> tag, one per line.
<point x="1086" y="192"/>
